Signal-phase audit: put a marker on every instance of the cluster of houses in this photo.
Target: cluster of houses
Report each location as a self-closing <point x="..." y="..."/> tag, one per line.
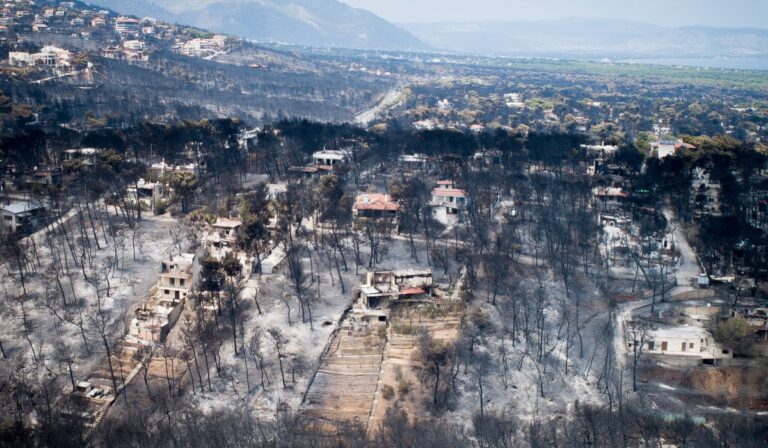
<point x="447" y="200"/>
<point x="23" y="214"/>
<point x="134" y="37"/>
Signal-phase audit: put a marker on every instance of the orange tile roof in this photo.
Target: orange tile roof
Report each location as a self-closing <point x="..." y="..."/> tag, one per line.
<point x="450" y="192"/>
<point x="376" y="202"/>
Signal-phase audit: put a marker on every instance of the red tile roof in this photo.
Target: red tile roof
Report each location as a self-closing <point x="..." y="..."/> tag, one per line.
<point x="412" y="291"/>
<point x="449" y="192"/>
<point x="376" y="202"/>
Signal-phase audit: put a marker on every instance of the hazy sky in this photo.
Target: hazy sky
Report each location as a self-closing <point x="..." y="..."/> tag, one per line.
<point x="724" y="13"/>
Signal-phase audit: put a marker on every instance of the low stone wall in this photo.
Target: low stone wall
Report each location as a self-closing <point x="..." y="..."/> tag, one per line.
<point x="696" y="294"/>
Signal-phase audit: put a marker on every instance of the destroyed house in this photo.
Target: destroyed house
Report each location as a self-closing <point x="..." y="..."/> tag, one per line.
<point x="384" y="287"/>
<point x="147" y="193"/>
<point x="155" y="317"/>
<point x="222" y="235"/>
<point x="176" y="277"/>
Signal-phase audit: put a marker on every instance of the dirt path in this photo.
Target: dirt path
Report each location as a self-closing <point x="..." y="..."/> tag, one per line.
<point x="400" y="367"/>
<point x="346" y="381"/>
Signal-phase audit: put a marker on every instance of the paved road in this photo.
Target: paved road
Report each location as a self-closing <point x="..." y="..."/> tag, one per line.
<point x="388" y="101"/>
<point x="688" y="265"/>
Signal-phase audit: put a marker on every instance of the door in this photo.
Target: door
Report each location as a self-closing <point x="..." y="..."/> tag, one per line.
<point x="684" y="346"/>
<point x="663" y="346"/>
<point x="176" y="295"/>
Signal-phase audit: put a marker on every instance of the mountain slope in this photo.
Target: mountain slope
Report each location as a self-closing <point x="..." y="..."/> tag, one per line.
<point x="592" y="37"/>
<point x="326" y="23"/>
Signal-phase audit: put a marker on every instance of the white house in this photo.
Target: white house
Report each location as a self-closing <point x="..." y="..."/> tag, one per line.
<point x="49" y="56"/>
<point x="601" y="149"/>
<point x="88" y="156"/>
<point x="666" y="148"/>
<point x="330" y="157"/>
<point x="447" y="202"/>
<point x="686" y="344"/>
<point x="176" y="277"/>
<point x="22" y="216"/>
<point x="413" y="160"/>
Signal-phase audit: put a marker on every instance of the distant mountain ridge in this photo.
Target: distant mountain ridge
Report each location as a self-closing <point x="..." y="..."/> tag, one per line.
<point x="592" y="37"/>
<point x="321" y="23"/>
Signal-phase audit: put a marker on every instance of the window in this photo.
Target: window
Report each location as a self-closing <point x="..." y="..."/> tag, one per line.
<point x="173" y="281"/>
<point x="166" y="292"/>
<point x="651" y="345"/>
<point x="181" y="283"/>
<point x="683" y="347"/>
<point x="690" y="345"/>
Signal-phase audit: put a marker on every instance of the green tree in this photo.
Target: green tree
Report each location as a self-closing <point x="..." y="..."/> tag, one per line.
<point x="254" y="214"/>
<point x="736" y="334"/>
<point x="231" y="264"/>
<point x="184" y="185"/>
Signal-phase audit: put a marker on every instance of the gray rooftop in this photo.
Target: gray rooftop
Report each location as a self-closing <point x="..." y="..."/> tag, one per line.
<point x="22" y="207"/>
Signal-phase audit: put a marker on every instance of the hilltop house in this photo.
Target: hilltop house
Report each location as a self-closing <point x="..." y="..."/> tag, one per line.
<point x="202" y="47"/>
<point x="48" y="56"/>
<point x="447" y="202"/>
